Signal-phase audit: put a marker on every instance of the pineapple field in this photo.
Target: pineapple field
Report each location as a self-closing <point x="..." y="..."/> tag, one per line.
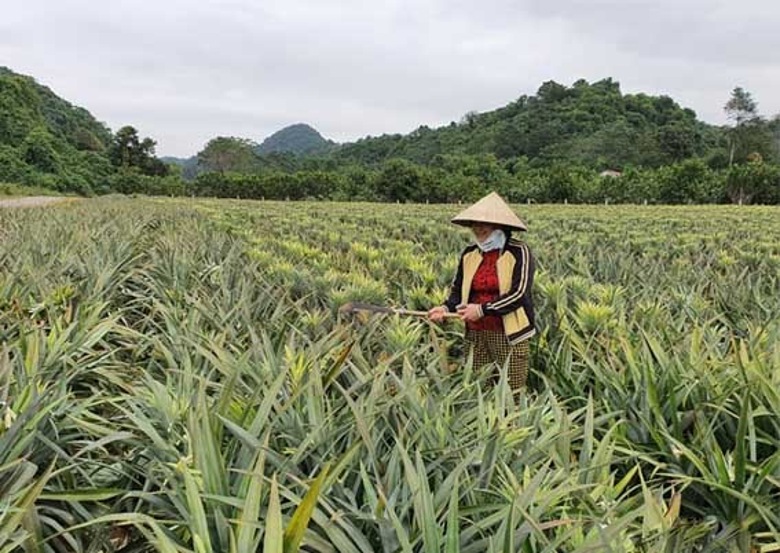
<point x="176" y="376"/>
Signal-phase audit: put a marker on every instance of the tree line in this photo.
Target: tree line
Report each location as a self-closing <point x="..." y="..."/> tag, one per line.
<point x="462" y="178"/>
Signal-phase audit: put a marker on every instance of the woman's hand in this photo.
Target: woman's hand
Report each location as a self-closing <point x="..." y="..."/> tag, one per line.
<point x="470" y="312"/>
<point x="437" y="313"/>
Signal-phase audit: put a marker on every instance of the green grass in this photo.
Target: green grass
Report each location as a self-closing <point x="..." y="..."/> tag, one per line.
<point x="175" y="376"/>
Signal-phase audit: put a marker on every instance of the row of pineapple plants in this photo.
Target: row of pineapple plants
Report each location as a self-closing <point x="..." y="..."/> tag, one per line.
<point x="175" y="376"/>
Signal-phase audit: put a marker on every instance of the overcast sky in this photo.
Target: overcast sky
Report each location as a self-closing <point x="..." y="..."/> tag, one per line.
<point x="183" y="72"/>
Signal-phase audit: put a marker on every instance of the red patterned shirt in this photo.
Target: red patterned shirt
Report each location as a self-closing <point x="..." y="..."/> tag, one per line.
<point x="484" y="288"/>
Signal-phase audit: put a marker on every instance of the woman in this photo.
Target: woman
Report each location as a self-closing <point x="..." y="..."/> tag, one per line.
<point x="492" y="289"/>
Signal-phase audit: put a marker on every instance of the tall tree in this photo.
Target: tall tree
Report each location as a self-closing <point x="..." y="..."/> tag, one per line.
<point x="228" y="153"/>
<point x="743" y="110"/>
<point x="129" y="152"/>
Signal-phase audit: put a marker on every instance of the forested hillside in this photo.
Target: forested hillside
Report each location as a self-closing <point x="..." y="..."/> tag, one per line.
<point x="46" y="141"/>
<point x="553" y="146"/>
<point x="583" y="143"/>
<point x="593" y="125"/>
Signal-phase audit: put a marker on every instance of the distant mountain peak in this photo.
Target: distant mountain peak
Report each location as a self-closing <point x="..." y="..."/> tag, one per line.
<point x="298" y="138"/>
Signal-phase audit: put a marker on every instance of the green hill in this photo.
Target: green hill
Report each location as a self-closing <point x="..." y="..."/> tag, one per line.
<point x="46" y="140"/>
<point x="299" y="139"/>
<point x="586" y="124"/>
<point x="25" y="105"/>
<point x="591" y="125"/>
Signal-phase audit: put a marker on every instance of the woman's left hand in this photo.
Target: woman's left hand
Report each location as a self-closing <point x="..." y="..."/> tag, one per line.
<point x="470" y="312"/>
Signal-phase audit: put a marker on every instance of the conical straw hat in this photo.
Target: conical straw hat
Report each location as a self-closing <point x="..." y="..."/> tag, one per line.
<point x="491" y="209"/>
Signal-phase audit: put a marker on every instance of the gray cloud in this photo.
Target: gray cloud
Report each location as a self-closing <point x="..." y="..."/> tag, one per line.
<point x="184" y="72"/>
<point x="715" y="31"/>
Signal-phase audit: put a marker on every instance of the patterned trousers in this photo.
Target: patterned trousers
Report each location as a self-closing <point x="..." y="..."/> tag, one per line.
<point x="490" y="346"/>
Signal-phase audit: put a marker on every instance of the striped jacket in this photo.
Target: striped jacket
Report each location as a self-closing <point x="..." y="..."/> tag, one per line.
<point x="515" y="267"/>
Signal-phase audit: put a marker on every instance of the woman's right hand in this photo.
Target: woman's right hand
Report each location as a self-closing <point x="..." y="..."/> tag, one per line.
<point x="436" y="314"/>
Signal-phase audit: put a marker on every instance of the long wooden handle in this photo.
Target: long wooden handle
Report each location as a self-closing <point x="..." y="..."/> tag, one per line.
<point x="414" y="313"/>
<point x="357" y="306"/>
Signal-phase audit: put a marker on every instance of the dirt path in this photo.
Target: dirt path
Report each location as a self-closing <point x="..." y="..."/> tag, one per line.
<point x="30" y="201"/>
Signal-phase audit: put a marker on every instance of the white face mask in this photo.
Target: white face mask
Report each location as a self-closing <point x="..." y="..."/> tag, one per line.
<point x="495" y="241"/>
